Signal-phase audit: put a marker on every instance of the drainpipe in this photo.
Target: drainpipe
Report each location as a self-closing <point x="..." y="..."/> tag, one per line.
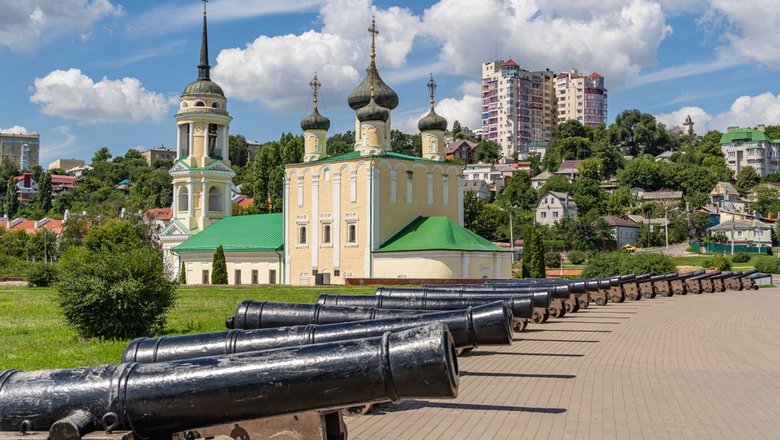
<point x="281" y="267"/>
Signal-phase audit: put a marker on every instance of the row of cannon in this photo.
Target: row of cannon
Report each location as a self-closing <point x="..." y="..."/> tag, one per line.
<point x="285" y="358"/>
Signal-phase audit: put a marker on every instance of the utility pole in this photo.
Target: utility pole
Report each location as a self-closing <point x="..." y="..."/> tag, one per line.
<point x="732" y="231"/>
<point x="511" y="235"/>
<point x="666" y="228"/>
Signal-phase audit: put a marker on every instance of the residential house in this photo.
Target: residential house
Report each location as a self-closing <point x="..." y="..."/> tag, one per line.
<point x="623" y="231"/>
<point x="540" y="179"/>
<point x="750" y="147"/>
<point x="726" y="197"/>
<point x="569" y="169"/>
<point x="553" y="206"/>
<point x="62" y="183"/>
<point x="666" y="156"/>
<point x="26" y="188"/>
<point x="747" y="235"/>
<point x="663" y="197"/>
<point x="65" y="164"/>
<point x="480" y="187"/>
<point x="154" y="154"/>
<point x="462" y="150"/>
<point x="31" y="226"/>
<point x="487" y="172"/>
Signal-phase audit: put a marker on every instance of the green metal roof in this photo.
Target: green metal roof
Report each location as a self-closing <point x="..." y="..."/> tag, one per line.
<point x="258" y="233"/>
<point x="744" y="134"/>
<point x="356" y="155"/>
<point x="437" y="233"/>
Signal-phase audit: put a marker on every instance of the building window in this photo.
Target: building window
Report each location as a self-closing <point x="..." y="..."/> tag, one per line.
<point x="200" y="104"/>
<point x="255" y="277"/>
<point x="205" y="276"/>
<point x="434" y="146"/>
<point x="184" y="199"/>
<point x="555" y="214"/>
<point x="336" y="272"/>
<point x="237" y="277"/>
<point x="326" y="234"/>
<point x="352" y="233"/>
<point x="212" y="141"/>
<point x="544" y="214"/>
<point x="302" y="235"/>
<point x="215" y="199"/>
<point x="272" y="276"/>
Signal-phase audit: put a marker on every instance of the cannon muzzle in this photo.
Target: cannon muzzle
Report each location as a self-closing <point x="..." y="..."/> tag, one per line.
<point x="156" y="400"/>
<point x="522" y="307"/>
<point x="490" y="324"/>
<point x="540" y="298"/>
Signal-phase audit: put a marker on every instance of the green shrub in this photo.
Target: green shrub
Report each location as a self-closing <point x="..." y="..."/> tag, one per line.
<point x="720" y="262"/>
<point x="707" y="263"/>
<point x="768" y="264"/>
<point x="741" y="258"/>
<point x="42" y="275"/>
<point x="219" y="267"/>
<point x="577" y="257"/>
<point x="552" y="259"/>
<point x="606" y="264"/>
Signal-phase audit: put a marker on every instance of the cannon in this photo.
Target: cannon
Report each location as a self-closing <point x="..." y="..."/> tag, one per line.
<point x="749" y="281"/>
<point x="546" y="302"/>
<point x="734" y="280"/>
<point x="483" y="325"/>
<point x="657" y="285"/>
<point x="679" y="286"/>
<point x="265" y="314"/>
<point x="746" y="282"/>
<point x="155" y="400"/>
<point x="694" y="284"/>
<point x="522" y="308"/>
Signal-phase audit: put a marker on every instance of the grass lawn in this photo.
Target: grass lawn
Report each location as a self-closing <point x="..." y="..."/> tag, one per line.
<point x="33" y="334"/>
<point x="698" y="260"/>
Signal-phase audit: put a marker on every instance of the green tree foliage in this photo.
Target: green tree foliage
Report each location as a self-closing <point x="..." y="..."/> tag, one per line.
<point x="219" y="267"/>
<point x="42" y="246"/>
<point x="573" y="148"/>
<point x="748" y="178"/>
<point x="341" y="143"/>
<point x="43" y="198"/>
<point x="555" y="183"/>
<point x="773" y="131"/>
<point x="457" y="131"/>
<point x="238" y="150"/>
<point x="182" y="274"/>
<point x="486" y="152"/>
<point x="639" y="133"/>
<point x="720" y="262"/>
<point x="552" y="260"/>
<point x="406" y="143"/>
<point x="642" y="172"/>
<point x="767" y="264"/>
<point x="607" y="264"/>
<point x="42" y="275"/>
<point x="620" y="201"/>
<point x="519" y="192"/>
<point x="264" y="180"/>
<point x="699" y="222"/>
<point x="767" y="200"/>
<point x="11" y="200"/>
<point x="577" y="257"/>
<point x="570" y="129"/>
<point x="586" y="232"/>
<point x="533" y="254"/>
<point x="115" y="286"/>
<point x="101" y="155"/>
<point x="611" y="158"/>
<point x="152" y="188"/>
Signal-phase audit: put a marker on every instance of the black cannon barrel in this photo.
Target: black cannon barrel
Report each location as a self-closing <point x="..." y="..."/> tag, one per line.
<point x="758" y="275"/>
<point x="521" y="307"/>
<point x="705" y="275"/>
<point x="155" y="400"/>
<point x="748" y="273"/>
<point x="490" y="324"/>
<point x="686" y="275"/>
<point x="265" y="314"/>
<point x="573" y="286"/>
<point x="540" y="298"/>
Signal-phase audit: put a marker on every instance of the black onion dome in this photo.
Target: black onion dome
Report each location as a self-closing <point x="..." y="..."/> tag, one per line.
<point x="373" y="112"/>
<point x="315" y="121"/>
<point x="432" y="121"/>
<point x="201" y="87"/>
<point x="383" y="94"/>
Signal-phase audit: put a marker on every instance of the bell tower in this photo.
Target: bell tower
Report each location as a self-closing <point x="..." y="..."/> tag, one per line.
<point x="202" y="177"/>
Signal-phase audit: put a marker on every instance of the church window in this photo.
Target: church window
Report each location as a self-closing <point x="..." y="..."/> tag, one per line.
<point x="204" y="276"/>
<point x="200" y="104"/>
<point x="237" y="277"/>
<point x="183" y="104"/>
<point x="352" y="233"/>
<point x="215" y="199"/>
<point x="212" y="141"/>
<point x="184" y="199"/>
<point x="272" y="276"/>
<point x="409" y="186"/>
<point x="184" y="139"/>
<point x="326" y="234"/>
<point x="434" y="146"/>
<point x="302" y="235"/>
<point x="215" y="105"/>
<point x="255" y="277"/>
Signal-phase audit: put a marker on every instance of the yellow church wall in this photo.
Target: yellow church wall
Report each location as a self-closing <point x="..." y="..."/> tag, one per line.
<point x="443" y="264"/>
<point x="263" y="262"/>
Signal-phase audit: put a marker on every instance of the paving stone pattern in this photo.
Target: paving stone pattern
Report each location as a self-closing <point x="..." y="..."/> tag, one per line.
<point x="686" y="367"/>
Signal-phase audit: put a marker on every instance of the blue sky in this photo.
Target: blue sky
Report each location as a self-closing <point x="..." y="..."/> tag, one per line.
<point x="93" y="73"/>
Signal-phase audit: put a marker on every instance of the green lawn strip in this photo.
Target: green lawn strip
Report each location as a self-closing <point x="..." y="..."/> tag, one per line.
<point x="34" y="335"/>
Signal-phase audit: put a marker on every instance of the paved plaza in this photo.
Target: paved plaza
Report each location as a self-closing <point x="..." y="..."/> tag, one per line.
<point x="691" y="367"/>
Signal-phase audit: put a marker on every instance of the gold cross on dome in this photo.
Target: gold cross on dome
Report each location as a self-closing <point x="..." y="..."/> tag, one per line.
<point x="204" y="6"/>
<point x="432" y="88"/>
<point x="315" y="86"/>
<point x="374" y="32"/>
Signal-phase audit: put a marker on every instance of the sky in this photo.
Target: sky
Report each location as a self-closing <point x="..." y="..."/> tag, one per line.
<point x="92" y="73"/>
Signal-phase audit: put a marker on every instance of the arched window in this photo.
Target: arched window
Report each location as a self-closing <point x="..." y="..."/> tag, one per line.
<point x="184" y="199"/>
<point x="212" y="141"/>
<point x="215" y="199"/>
<point x="301" y="235"/>
<point x="215" y="105"/>
<point x="200" y="104"/>
<point x="183" y="104"/>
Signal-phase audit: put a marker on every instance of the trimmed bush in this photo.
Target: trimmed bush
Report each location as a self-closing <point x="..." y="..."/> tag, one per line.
<point x="740" y="258"/>
<point x="219" y="267"/>
<point x="768" y="264"/>
<point x="607" y="264"/>
<point x="577" y="257"/>
<point x="552" y="260"/>
<point x="720" y="262"/>
<point x="42" y="275"/>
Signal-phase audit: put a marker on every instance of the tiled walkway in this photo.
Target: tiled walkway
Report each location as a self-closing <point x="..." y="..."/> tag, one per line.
<point x="692" y="367"/>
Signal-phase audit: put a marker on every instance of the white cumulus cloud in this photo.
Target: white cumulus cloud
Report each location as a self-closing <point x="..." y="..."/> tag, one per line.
<point x="24" y="23"/>
<point x="276" y="70"/>
<point x="70" y="94"/>
<point x="745" y="111"/>
<point x="16" y="129"/>
<point x="465" y="109"/>
<point x="616" y="38"/>
<point x="750" y="27"/>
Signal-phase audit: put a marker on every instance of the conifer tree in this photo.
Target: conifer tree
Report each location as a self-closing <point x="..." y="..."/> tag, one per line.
<point x="43" y="198"/>
<point x="11" y="202"/>
<point x="219" y="267"/>
<point x="533" y="254"/>
<point x="182" y="274"/>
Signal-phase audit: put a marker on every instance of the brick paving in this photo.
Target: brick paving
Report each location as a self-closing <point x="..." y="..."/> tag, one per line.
<point x="686" y="367"/>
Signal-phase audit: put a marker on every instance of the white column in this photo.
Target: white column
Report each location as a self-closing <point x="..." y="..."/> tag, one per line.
<point x="191" y="140"/>
<point x="367" y="223"/>
<point x="315" y="221"/>
<point x="353" y="186"/>
<point x="178" y="141"/>
<point x="460" y="199"/>
<point x="191" y="200"/>
<point x="228" y="206"/>
<point x="466" y="263"/>
<point x="223" y="134"/>
<point x="175" y="206"/>
<point x="287" y="244"/>
<point x="336" y="226"/>
<point x="204" y="199"/>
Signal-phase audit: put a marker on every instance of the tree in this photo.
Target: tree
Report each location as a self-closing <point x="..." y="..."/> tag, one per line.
<point x="115" y="286"/>
<point x="101" y="155"/>
<point x="639" y="133"/>
<point x="153" y="188"/>
<point x="620" y="201"/>
<point x="42" y="246"/>
<point x="533" y="254"/>
<point x="219" y="267"/>
<point x="699" y="223"/>
<point x="457" y="130"/>
<point x="182" y="273"/>
<point x="569" y="129"/>
<point x="574" y="148"/>
<point x="406" y="143"/>
<point x="747" y="179"/>
<point x="588" y="195"/>
<point x="611" y="158"/>
<point x="341" y="143"/>
<point x="555" y="183"/>
<point x="43" y="198"/>
<point x="11" y="200"/>
<point x="642" y="172"/>
<point x="767" y="200"/>
<point x="486" y="152"/>
<point x="519" y="192"/>
<point x="238" y="150"/>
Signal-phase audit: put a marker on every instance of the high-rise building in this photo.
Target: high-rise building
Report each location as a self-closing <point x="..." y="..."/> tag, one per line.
<point x="582" y="98"/>
<point x="518" y="106"/>
<point x="20" y="149"/>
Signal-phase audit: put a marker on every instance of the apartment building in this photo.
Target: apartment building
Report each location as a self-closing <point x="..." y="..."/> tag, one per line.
<point x="154" y="154"/>
<point x="20" y="149"/>
<point x="581" y="97"/>
<point x="750" y="147"/>
<point x="518" y="106"/>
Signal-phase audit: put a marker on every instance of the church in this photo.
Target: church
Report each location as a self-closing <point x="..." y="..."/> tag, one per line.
<point x="367" y="213"/>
